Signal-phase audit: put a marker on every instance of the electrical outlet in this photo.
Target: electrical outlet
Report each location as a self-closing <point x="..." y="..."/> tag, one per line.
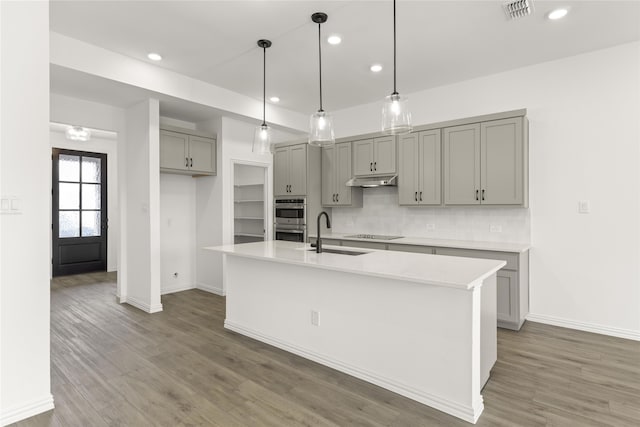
<point x="431" y="227"/>
<point x="584" y="207"/>
<point x="495" y="229"/>
<point x="315" y="318"/>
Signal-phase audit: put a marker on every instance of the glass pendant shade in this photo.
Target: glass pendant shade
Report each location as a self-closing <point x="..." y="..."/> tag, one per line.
<point x="396" y="117"/>
<point x="262" y="140"/>
<point x="321" y="129"/>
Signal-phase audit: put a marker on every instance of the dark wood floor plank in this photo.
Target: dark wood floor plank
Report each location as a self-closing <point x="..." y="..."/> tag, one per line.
<point x="115" y="365"/>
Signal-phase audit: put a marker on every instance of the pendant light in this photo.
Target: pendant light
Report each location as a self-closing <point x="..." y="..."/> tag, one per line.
<point x="321" y="123"/>
<point x="396" y="117"/>
<point x="262" y="136"/>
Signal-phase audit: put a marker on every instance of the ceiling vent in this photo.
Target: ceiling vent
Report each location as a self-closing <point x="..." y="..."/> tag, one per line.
<point x="518" y="8"/>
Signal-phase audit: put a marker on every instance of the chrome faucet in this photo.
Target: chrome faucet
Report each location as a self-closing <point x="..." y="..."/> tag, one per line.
<point x="319" y="239"/>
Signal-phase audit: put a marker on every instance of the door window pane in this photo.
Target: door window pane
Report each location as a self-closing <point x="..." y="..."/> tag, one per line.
<point x="90" y="223"/>
<point x="69" y="168"/>
<point x="69" y="222"/>
<point x="90" y="196"/>
<point x="91" y="169"/>
<point x="69" y="196"/>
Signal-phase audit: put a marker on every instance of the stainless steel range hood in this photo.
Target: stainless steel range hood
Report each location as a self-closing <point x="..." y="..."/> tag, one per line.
<point x="373" y="181"/>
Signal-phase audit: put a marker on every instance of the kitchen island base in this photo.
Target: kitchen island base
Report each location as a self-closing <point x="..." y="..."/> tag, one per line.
<point x="433" y="344"/>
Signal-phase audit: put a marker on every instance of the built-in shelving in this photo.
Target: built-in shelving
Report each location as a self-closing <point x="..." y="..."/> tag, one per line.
<point x="249" y="207"/>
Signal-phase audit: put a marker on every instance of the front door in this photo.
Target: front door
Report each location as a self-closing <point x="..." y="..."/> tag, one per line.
<point x="79" y="217"/>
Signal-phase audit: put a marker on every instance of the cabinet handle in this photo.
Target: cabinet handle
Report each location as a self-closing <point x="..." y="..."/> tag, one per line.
<point x="186" y="162"/>
<point x="416" y="196"/>
<point x="421" y="196"/>
<point x="375" y="166"/>
<point x="337" y="197"/>
<point x="371" y="167"/>
<point x="334" y="198"/>
<point x="476" y="194"/>
<point x="483" y="194"/>
<point x="191" y="161"/>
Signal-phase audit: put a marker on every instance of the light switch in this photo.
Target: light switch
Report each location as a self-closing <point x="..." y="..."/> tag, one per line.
<point x="5" y="204"/>
<point x="584" y="206"/>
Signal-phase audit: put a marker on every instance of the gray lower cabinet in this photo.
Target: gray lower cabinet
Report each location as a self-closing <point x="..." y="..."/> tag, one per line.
<point x="419" y="159"/>
<point x="485" y="163"/>
<point x="336" y="171"/>
<point x="411" y="248"/>
<point x="512" y="286"/>
<point x="374" y="156"/>
<point x="290" y="170"/>
<point x="365" y="245"/>
<point x="185" y="153"/>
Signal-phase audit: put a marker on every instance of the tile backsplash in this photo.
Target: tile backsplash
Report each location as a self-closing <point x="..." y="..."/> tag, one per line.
<point x="380" y="214"/>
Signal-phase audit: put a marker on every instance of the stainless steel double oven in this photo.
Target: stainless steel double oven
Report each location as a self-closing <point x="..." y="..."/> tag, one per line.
<point x="291" y="219"/>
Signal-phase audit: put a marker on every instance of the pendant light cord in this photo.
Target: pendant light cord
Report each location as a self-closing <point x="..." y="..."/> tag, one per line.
<point x="320" y="63"/>
<point x="395" y="92"/>
<point x="264" y="85"/>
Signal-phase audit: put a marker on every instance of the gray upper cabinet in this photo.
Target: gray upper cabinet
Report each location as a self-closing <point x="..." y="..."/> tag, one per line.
<point x="336" y="171"/>
<point x="185" y="153"/>
<point x="501" y="162"/>
<point x="462" y="165"/>
<point x="485" y="163"/>
<point x="290" y="170"/>
<point x="374" y="156"/>
<point x="419" y="170"/>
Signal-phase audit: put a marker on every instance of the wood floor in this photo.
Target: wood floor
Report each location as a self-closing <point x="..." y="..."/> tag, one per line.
<point x="112" y="364"/>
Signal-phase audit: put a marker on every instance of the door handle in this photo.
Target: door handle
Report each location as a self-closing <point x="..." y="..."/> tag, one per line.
<point x="415" y="196"/>
<point x="476" y="194"/>
<point x="375" y="166"/>
<point x="483" y="194"/>
<point x="421" y="196"/>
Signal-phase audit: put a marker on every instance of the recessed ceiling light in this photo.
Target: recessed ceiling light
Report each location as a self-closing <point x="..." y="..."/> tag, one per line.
<point x="557" y="14"/>
<point x="274" y="99"/>
<point x="154" y="56"/>
<point x="376" y="68"/>
<point x="334" y="39"/>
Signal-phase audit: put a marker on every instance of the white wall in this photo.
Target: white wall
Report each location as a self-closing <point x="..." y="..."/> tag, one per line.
<point x="143" y="206"/>
<point x="177" y="232"/>
<point x="25" y="174"/>
<point x="110" y="148"/>
<point x="584" y="133"/>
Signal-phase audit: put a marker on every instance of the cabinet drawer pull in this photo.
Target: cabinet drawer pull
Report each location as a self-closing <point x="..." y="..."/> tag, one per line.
<point x="476" y="194"/>
<point x="415" y="196"/>
<point x="483" y="194"/>
<point x="375" y="166"/>
<point x="421" y="196"/>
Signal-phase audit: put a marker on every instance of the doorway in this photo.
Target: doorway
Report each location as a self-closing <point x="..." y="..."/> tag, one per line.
<point x="250" y="203"/>
<point x="79" y="212"/>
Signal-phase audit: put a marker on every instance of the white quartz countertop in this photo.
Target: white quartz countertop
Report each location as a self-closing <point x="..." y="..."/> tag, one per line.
<point x="443" y="243"/>
<point x="436" y="270"/>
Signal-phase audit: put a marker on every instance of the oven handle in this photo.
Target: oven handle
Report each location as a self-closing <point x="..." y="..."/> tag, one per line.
<point x="284" y="230"/>
<point x="288" y="206"/>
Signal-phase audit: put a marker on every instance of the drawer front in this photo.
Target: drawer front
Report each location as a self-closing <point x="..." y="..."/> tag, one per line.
<point x="511" y="259"/>
<point x="326" y="241"/>
<point x="411" y="248"/>
<point x="366" y="245"/>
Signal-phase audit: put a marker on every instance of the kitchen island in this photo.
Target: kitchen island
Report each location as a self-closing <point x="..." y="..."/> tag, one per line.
<point x="423" y="326"/>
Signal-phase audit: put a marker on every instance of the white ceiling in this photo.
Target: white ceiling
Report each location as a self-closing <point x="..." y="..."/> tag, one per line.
<point x="439" y="42"/>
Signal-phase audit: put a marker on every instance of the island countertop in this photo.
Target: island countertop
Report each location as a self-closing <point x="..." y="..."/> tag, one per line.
<point x="436" y="270"/>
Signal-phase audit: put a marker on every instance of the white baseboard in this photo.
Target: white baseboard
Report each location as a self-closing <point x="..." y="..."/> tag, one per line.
<point x="143" y="305"/>
<point x="584" y="326"/>
<point x="467" y="413"/>
<point x="172" y="289"/>
<point x="208" y="288"/>
<point x="30" y="409"/>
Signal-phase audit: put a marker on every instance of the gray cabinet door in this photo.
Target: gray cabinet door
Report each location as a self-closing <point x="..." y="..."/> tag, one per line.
<point x="507" y="296"/>
<point x="408" y="169"/>
<point x="202" y="154"/>
<point x="174" y="151"/>
<point x="501" y="163"/>
<point x="281" y="171"/>
<point x="429" y="181"/>
<point x="328" y="176"/>
<point x="298" y="170"/>
<point x="384" y="155"/>
<point x="363" y="157"/>
<point x="462" y="165"/>
<point x="343" y="173"/>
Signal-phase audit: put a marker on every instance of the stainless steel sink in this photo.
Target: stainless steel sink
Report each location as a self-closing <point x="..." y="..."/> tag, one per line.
<point x="340" y="252"/>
